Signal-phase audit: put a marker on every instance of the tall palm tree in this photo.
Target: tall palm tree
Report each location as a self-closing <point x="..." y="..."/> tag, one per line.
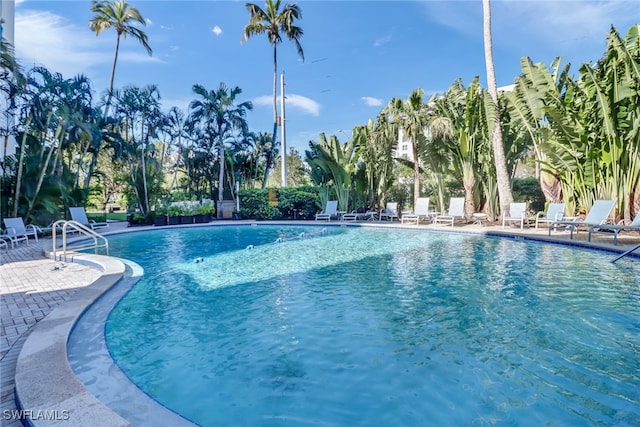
<point x="218" y="109"/>
<point x="122" y="18"/>
<point x="411" y="117"/>
<point x="275" y="23"/>
<point x="266" y="148"/>
<point x="502" y="175"/>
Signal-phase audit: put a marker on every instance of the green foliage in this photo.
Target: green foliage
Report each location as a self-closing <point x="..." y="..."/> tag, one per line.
<point x="205" y="208"/>
<point x="402" y="194"/>
<point x="528" y="190"/>
<point x="174" y="210"/>
<point x="254" y="203"/>
<point x="304" y="201"/>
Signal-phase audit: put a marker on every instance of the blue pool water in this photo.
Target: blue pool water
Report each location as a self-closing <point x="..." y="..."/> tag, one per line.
<point x="366" y="326"/>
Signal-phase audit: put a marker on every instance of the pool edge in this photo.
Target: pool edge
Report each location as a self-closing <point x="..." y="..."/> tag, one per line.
<point x="47" y="390"/>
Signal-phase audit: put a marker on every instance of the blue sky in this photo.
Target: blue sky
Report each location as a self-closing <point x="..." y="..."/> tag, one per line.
<point x="358" y="54"/>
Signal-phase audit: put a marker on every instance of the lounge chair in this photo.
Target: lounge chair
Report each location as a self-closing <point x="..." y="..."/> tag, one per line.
<point x="357" y="216"/>
<point x="615" y="229"/>
<point x="555" y="212"/>
<point x="390" y="212"/>
<point x="78" y="214"/>
<point x="16" y="231"/>
<point x="420" y="211"/>
<point x="517" y="213"/>
<point x="455" y="212"/>
<point x="330" y="211"/>
<point x="597" y="215"/>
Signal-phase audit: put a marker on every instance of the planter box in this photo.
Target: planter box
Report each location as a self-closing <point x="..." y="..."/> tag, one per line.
<point x="136" y="222"/>
<point x="160" y="220"/>
<point x="186" y="219"/>
<point x="173" y="220"/>
<point x="202" y="218"/>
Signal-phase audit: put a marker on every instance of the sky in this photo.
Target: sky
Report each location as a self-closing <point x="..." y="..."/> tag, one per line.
<point x="357" y="54"/>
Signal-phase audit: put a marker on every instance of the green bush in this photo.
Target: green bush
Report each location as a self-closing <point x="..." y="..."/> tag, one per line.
<point x="300" y="203"/>
<point x="254" y="203"/>
<point x="528" y="190"/>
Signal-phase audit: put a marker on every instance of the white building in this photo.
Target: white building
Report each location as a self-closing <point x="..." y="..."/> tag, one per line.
<point x="404" y="149"/>
<point x="7" y="22"/>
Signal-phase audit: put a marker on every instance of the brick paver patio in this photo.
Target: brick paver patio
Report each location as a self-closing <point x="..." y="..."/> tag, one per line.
<point x="31" y="287"/>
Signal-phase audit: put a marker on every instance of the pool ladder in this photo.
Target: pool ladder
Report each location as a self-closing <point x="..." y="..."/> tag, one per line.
<point x="626" y="253"/>
<point x="97" y="240"/>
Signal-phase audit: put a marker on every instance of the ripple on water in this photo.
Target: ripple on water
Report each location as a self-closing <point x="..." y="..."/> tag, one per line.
<point x="379" y="327"/>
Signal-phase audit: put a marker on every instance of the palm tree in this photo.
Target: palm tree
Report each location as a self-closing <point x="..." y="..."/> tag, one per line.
<point x="502" y="175"/>
<point x="273" y="22"/>
<point x="138" y="110"/>
<point x="411" y="117"/>
<point x="122" y="18"/>
<point x="266" y="148"/>
<point x="218" y="110"/>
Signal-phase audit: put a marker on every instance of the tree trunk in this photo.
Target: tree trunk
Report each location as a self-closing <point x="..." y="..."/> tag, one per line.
<point x="504" y="187"/>
<point x="469" y="183"/>
<point x="416" y="173"/>
<point x="267" y="167"/>
<point x="275" y="95"/>
<point x="221" y="171"/>
<point x="20" y="165"/>
<point x="113" y="74"/>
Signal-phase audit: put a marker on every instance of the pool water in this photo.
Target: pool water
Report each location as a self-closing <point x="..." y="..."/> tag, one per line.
<point x="369" y="326"/>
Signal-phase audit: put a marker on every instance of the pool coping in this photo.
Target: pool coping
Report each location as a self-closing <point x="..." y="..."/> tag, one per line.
<point x="47" y="388"/>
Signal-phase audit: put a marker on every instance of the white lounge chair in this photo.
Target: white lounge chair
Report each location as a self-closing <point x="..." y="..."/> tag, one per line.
<point x="357" y="216"/>
<point x="555" y="212"/>
<point x="78" y="214"/>
<point x="455" y="212"/>
<point x="597" y="215"/>
<point x="517" y="213"/>
<point x="420" y="211"/>
<point x="615" y="229"/>
<point x="330" y="211"/>
<point x="16" y="231"/>
<point x="390" y="212"/>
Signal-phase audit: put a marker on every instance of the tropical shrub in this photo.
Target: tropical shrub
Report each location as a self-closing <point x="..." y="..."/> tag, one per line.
<point x="528" y="190"/>
<point x="303" y="200"/>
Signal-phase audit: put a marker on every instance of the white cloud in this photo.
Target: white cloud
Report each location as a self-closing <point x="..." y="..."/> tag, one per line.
<point x="293" y="101"/>
<point x="371" y="101"/>
<point x="216" y="30"/>
<point x="148" y="21"/>
<point x="382" y="40"/>
<point x="48" y="39"/>
<point x="45" y="38"/>
<point x="570" y="24"/>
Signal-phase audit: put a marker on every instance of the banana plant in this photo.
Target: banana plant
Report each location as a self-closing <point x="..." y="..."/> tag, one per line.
<point x="337" y="162"/>
<point x="465" y="110"/>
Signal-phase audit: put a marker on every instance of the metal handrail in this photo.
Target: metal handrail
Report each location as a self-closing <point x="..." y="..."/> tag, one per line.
<point x="626" y="253"/>
<point x="99" y="240"/>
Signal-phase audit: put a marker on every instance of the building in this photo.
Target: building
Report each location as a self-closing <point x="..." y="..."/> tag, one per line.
<point x="7" y="25"/>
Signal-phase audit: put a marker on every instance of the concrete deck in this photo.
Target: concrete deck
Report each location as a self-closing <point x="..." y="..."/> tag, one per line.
<point x="32" y="288"/>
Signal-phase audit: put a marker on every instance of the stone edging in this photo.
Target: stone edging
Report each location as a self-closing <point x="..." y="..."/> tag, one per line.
<point x="47" y="390"/>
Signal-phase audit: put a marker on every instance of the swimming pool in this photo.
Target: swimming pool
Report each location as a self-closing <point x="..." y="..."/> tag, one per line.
<point x="366" y="326"/>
